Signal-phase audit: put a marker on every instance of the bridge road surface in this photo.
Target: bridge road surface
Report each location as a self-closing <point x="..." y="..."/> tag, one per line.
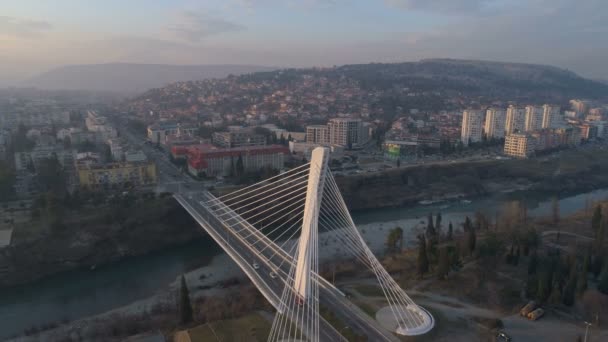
<point x="239" y="249"/>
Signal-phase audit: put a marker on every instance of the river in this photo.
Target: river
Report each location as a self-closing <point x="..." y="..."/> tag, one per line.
<point x="83" y="293"/>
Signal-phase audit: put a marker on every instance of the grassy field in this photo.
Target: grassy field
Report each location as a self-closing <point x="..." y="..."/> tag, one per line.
<point x="252" y="327"/>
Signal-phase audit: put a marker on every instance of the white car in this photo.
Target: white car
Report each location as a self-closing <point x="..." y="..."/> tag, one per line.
<point x="255" y="266"/>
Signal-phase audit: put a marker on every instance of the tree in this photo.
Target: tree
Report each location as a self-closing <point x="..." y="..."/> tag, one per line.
<point x="555" y="210"/>
<point x="232" y="167"/>
<point x="185" y="307"/>
<point x="423" y="261"/>
<point x="516" y="256"/>
<point x="394" y="239"/>
<point x="570" y="290"/>
<point x="544" y="284"/>
<point x="443" y="266"/>
<point x="555" y="297"/>
<point x="450" y="232"/>
<point x="555" y="217"/>
<point x="602" y="284"/>
<point x="471" y="240"/>
<point x="438" y="223"/>
<point x="7" y="181"/>
<point x="51" y="175"/>
<point x="599" y="236"/>
<point x="532" y="263"/>
<point x="581" y="283"/>
<point x="430" y="228"/>
<point x="240" y="167"/>
<point x="467" y="224"/>
<point x="596" y="218"/>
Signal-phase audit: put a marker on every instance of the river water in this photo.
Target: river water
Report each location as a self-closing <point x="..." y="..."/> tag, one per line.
<point x="82" y="293"/>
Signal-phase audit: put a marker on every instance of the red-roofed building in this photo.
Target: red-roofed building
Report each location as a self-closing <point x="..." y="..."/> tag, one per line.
<point x="212" y="161"/>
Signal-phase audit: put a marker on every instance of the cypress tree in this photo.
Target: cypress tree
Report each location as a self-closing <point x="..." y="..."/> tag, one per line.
<point x="602" y="284"/>
<point x="438" y="222"/>
<point x="596" y="218"/>
<point x="467" y="224"/>
<point x="516" y="256"/>
<point x="581" y="283"/>
<point x="471" y="240"/>
<point x="443" y="265"/>
<point x="240" y="167"/>
<point x="450" y="232"/>
<point x="185" y="307"/>
<point x="423" y="261"/>
<point x="430" y="228"/>
<point x="569" y="290"/>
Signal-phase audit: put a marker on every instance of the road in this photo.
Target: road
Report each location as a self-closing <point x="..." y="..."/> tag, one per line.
<point x="236" y="242"/>
<point x="170" y="177"/>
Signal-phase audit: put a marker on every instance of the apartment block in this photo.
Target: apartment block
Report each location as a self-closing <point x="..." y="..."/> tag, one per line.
<point x="495" y="123"/>
<point x="471" y="130"/>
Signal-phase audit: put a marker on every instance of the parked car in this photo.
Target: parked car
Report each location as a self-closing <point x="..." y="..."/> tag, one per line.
<point x="528" y="308"/>
<point x="536" y="314"/>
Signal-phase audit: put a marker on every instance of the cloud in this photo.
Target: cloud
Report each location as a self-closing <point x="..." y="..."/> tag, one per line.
<point x="444" y="6"/>
<point x="194" y="26"/>
<point x="23" y="28"/>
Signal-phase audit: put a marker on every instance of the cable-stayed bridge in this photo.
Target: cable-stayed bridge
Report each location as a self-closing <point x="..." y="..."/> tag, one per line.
<point x="272" y="231"/>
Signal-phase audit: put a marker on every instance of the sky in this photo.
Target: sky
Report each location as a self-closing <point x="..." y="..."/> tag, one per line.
<point x="38" y="35"/>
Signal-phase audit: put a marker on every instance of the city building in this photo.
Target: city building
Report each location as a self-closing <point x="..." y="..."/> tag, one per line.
<point x="135" y="156"/>
<point x="347" y="132"/>
<point x="317" y="134"/>
<point x="519" y="145"/>
<point x="116" y="175"/>
<point x="471" y="130"/>
<point x="116" y="149"/>
<point x="516" y="120"/>
<point x="534" y="118"/>
<point x="87" y="158"/>
<point x="305" y="149"/>
<point x="551" y="116"/>
<point x="588" y="131"/>
<point x="569" y="136"/>
<point x="495" y="123"/>
<point x="158" y="133"/>
<point x="210" y="161"/>
<point x="238" y="138"/>
<point x="579" y="106"/>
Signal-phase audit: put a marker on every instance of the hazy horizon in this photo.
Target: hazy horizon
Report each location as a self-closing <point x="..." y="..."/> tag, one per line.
<point x="37" y="37"/>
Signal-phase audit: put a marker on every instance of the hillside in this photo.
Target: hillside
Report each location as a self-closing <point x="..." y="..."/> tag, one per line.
<point x="375" y="91"/>
<point x="124" y="77"/>
<point x="472" y="77"/>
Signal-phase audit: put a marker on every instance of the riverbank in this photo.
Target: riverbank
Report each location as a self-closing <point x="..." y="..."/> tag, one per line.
<point x="91" y="237"/>
<point x="569" y="172"/>
<point x="136" y="284"/>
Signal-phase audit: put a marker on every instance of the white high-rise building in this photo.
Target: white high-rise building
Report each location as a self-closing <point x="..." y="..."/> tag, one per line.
<point x="551" y="117"/>
<point x="534" y="118"/>
<point x="317" y="134"/>
<point x="471" y="126"/>
<point x="347" y="132"/>
<point x="516" y="120"/>
<point x="495" y="123"/>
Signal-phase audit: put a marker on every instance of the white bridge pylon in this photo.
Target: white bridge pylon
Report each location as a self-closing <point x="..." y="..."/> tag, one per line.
<point x="314" y="193"/>
<point x="272" y="230"/>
